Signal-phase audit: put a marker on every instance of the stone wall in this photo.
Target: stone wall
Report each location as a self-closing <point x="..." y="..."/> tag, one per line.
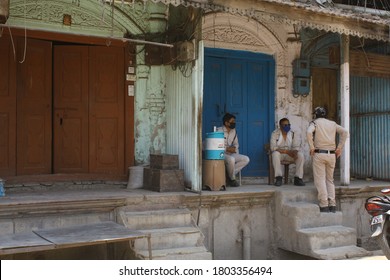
<point x="229" y="220"/>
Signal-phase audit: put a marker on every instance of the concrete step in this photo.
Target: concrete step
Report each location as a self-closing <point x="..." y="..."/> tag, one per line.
<point x="174" y="235"/>
<point x="303" y="194"/>
<point x="158" y="219"/>
<point x="183" y="253"/>
<point x="326" y="237"/>
<point x="341" y="253"/>
<point x="308" y="215"/>
<point x="171" y="238"/>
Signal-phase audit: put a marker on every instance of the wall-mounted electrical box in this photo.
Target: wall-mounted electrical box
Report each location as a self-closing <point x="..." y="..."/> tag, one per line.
<point x="301" y="86"/>
<point x="301" y="68"/>
<point x="301" y="73"/>
<point x="4" y="10"/>
<point x="185" y="51"/>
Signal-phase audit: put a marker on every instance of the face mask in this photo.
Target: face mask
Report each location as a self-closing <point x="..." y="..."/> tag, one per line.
<point x="286" y="128"/>
<point x="232" y="126"/>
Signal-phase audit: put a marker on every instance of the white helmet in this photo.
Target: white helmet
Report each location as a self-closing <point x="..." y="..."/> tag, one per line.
<point x="319" y="112"/>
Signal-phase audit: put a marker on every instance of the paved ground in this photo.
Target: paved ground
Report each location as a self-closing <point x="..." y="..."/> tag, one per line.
<point x="378" y="255"/>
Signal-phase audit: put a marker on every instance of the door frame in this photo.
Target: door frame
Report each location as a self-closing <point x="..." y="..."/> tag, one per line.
<point x="261" y="57"/>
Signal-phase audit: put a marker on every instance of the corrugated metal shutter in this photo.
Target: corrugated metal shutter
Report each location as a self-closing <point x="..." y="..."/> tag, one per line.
<point x="184" y="111"/>
<point x="370" y="127"/>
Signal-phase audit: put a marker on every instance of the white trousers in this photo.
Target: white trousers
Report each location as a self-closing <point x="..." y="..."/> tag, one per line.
<point x="234" y="163"/>
<point x="323" y="170"/>
<point x="278" y="157"/>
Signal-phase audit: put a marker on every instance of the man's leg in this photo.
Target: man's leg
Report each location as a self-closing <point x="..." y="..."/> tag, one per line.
<point x="241" y="162"/>
<point x="229" y="164"/>
<point x="276" y="158"/>
<point x="299" y="165"/>
<point x="319" y="179"/>
<point x="331" y="164"/>
<point x="299" y="170"/>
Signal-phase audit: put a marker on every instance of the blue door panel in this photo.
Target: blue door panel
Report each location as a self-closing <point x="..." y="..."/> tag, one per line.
<point x="241" y="83"/>
<point x="259" y="114"/>
<point x="236" y="98"/>
<point x="216" y="89"/>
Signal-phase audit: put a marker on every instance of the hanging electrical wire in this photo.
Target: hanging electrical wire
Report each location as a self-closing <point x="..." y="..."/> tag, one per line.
<point x="25" y="33"/>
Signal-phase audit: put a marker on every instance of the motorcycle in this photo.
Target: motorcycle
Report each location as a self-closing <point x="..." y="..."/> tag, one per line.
<point x="379" y="209"/>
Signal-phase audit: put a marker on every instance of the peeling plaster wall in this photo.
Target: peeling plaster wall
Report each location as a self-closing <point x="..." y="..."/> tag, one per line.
<point x="150" y="99"/>
<point x="296" y="109"/>
<point x="150" y="113"/>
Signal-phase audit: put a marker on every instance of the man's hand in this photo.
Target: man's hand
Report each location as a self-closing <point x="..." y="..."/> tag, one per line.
<point x="312" y="152"/>
<point x="293" y="154"/>
<point x="338" y="152"/>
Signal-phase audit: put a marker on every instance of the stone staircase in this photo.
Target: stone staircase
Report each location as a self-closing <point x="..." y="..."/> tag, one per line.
<point x="174" y="234"/>
<point x="303" y="229"/>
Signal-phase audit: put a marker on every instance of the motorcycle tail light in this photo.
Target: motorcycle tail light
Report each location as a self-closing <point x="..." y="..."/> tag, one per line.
<point x="373" y="209"/>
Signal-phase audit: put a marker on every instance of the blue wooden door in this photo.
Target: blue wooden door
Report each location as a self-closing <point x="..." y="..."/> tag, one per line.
<point x="241" y="83"/>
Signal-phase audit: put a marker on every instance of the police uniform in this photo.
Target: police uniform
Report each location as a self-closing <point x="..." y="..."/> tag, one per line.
<point x="321" y="136"/>
<point x="291" y="142"/>
<point x="233" y="162"/>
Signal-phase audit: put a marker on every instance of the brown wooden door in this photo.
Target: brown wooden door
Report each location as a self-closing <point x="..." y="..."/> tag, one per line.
<point x="70" y="109"/>
<point x="7" y="108"/>
<point x="106" y="110"/>
<point x="324" y="84"/>
<point x="34" y="105"/>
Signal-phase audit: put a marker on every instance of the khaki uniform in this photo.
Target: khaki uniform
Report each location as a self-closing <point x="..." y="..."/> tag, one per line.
<point x="233" y="162"/>
<point x="321" y="136"/>
<point x="292" y="142"/>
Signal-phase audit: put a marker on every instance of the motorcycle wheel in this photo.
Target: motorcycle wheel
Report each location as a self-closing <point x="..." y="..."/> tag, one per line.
<point x="384" y="239"/>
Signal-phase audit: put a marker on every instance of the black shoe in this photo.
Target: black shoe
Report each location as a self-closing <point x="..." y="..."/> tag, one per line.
<point x="332" y="209"/>
<point x="298" y="181"/>
<point x="234" y="183"/>
<point x="278" y="181"/>
<point x="324" y="209"/>
<point x="228" y="180"/>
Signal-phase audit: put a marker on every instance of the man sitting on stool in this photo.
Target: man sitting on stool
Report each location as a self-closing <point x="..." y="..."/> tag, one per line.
<point x="286" y="146"/>
<point x="234" y="162"/>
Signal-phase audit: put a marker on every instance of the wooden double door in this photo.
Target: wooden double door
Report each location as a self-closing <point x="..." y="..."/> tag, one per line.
<point x="61" y="108"/>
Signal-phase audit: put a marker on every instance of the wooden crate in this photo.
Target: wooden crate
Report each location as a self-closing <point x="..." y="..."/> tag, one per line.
<point x="164" y="161"/>
<point x="163" y="180"/>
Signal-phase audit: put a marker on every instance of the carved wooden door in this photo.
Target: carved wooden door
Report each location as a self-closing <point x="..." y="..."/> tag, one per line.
<point x="324" y="83"/>
<point x="89" y="110"/>
<point x="106" y="115"/>
<point x="70" y="109"/>
<point x="34" y="107"/>
<point x="7" y="108"/>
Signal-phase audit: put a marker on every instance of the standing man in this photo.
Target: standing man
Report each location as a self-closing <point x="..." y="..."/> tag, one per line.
<point x="234" y="161"/>
<point x="285" y="145"/>
<point x="321" y="136"/>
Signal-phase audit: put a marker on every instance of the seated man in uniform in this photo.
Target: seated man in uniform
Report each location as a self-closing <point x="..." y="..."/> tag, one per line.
<point x="285" y="145"/>
<point x="234" y="161"/>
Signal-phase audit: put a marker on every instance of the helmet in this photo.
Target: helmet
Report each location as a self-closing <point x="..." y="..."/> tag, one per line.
<point x="320" y="112"/>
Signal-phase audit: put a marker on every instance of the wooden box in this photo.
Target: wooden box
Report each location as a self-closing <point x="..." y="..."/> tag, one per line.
<point x="163" y="180"/>
<point x="164" y="161"/>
